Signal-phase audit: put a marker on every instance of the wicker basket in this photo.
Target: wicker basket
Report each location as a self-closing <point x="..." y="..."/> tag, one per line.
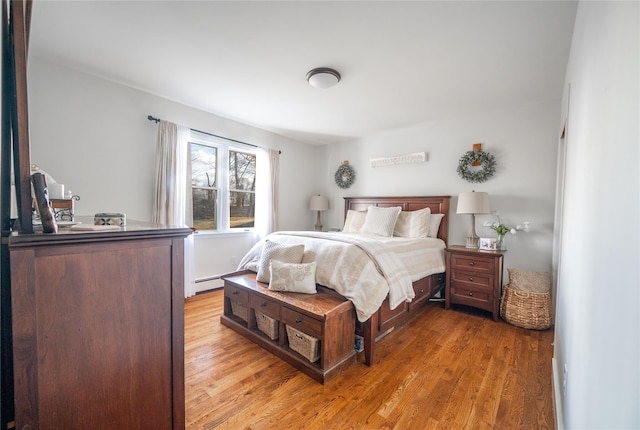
<point x="526" y="309"/>
<point x="240" y="310"/>
<point x="303" y="344"/>
<point x="267" y="325"/>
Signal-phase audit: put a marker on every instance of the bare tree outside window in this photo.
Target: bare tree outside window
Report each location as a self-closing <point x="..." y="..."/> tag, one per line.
<point x="204" y="166"/>
<point x="242" y="189"/>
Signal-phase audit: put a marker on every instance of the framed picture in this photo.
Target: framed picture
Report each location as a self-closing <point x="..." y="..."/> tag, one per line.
<point x="487" y="243"/>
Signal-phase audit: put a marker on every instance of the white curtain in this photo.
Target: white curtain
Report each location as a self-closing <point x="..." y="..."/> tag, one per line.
<point x="267" y="172"/>
<point x="172" y="194"/>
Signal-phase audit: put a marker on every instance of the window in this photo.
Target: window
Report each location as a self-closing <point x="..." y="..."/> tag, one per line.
<point x="223" y="184"/>
<point x="242" y="189"/>
<point x="204" y="186"/>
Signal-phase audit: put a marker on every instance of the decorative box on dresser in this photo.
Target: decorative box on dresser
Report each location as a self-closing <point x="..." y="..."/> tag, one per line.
<point x="98" y="328"/>
<point x="474" y="278"/>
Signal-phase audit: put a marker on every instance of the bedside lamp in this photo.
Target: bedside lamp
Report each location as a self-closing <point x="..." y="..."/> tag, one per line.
<point x="473" y="203"/>
<point x="318" y="203"/>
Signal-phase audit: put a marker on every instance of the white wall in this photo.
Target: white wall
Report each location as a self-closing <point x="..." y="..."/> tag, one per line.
<point x="598" y="323"/>
<point x="93" y="136"/>
<point x="523" y="140"/>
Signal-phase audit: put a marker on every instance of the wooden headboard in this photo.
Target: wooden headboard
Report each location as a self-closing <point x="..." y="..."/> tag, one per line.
<point x="437" y="204"/>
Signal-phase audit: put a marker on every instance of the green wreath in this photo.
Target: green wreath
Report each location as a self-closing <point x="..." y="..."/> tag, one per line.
<point x="345" y="176"/>
<point x="486" y="160"/>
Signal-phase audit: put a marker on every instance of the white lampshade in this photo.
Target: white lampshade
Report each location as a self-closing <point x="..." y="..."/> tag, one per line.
<point x="319" y="203"/>
<point x="473" y="203"/>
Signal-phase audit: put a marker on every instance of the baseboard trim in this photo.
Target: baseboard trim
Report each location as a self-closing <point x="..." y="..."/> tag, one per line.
<point x="557" y="395"/>
<point x="203" y="285"/>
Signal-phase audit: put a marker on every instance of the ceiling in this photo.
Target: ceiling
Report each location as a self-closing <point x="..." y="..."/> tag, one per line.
<point x="401" y="63"/>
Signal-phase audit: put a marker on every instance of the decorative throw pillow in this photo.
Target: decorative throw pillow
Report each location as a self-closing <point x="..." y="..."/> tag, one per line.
<point x="353" y="222"/>
<point x="434" y="224"/>
<point x="412" y="223"/>
<point x="380" y="221"/>
<point x="294" y="278"/>
<point x="276" y="251"/>
<point x="530" y="282"/>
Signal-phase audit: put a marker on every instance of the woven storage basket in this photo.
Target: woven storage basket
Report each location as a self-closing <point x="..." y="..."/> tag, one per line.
<point x="526" y="309"/>
<point x="267" y="325"/>
<point x="303" y="344"/>
<point x="240" y="310"/>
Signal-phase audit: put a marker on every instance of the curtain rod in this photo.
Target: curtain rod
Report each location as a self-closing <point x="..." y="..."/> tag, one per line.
<point x="157" y="120"/>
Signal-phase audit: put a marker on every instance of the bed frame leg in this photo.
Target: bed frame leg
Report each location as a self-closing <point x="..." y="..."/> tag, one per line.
<point x="369" y="338"/>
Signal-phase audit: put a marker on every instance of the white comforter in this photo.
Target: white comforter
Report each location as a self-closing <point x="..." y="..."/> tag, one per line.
<point x="363" y="268"/>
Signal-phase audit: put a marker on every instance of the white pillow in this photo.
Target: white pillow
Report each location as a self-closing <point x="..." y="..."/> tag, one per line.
<point x="276" y="251"/>
<point x="381" y="221"/>
<point x="412" y="223"/>
<point x="434" y="224"/>
<point x="353" y="222"/>
<point x="294" y="278"/>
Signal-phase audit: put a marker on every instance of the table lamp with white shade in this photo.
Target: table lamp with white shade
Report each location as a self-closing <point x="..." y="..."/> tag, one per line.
<point x="318" y="203"/>
<point x="473" y="203"/>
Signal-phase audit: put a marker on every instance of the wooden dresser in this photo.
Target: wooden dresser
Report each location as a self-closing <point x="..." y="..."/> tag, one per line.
<point x="98" y="328"/>
<point x="474" y="278"/>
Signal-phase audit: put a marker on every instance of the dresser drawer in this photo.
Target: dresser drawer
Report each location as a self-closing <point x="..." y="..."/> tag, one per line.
<point x="236" y="294"/>
<point x="472" y="262"/>
<point x="466" y="292"/>
<point x="266" y="306"/>
<point x="473" y="279"/>
<point x="302" y="322"/>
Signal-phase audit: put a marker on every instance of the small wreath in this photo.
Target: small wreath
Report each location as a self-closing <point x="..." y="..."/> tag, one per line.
<point x="486" y="160"/>
<point x="345" y="176"/>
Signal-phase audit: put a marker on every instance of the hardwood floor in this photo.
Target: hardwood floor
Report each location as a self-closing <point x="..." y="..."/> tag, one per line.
<point x="455" y="369"/>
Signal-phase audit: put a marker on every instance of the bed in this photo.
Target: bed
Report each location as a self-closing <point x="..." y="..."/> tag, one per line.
<point x="394" y="278"/>
<point x="386" y="319"/>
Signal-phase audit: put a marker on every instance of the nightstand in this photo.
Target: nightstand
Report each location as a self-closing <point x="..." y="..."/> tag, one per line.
<point x="474" y="278"/>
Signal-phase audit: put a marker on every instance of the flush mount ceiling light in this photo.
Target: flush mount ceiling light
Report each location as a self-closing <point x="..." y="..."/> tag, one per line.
<point x="323" y="77"/>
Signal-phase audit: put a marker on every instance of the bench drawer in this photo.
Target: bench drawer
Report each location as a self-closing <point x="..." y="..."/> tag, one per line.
<point x="236" y="294"/>
<point x="302" y="322"/>
<point x="266" y="306"/>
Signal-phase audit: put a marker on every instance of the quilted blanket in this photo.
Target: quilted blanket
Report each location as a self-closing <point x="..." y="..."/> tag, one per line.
<point x="362" y="268"/>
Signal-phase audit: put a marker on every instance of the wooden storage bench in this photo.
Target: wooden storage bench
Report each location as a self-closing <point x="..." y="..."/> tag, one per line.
<point x="326" y="318"/>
